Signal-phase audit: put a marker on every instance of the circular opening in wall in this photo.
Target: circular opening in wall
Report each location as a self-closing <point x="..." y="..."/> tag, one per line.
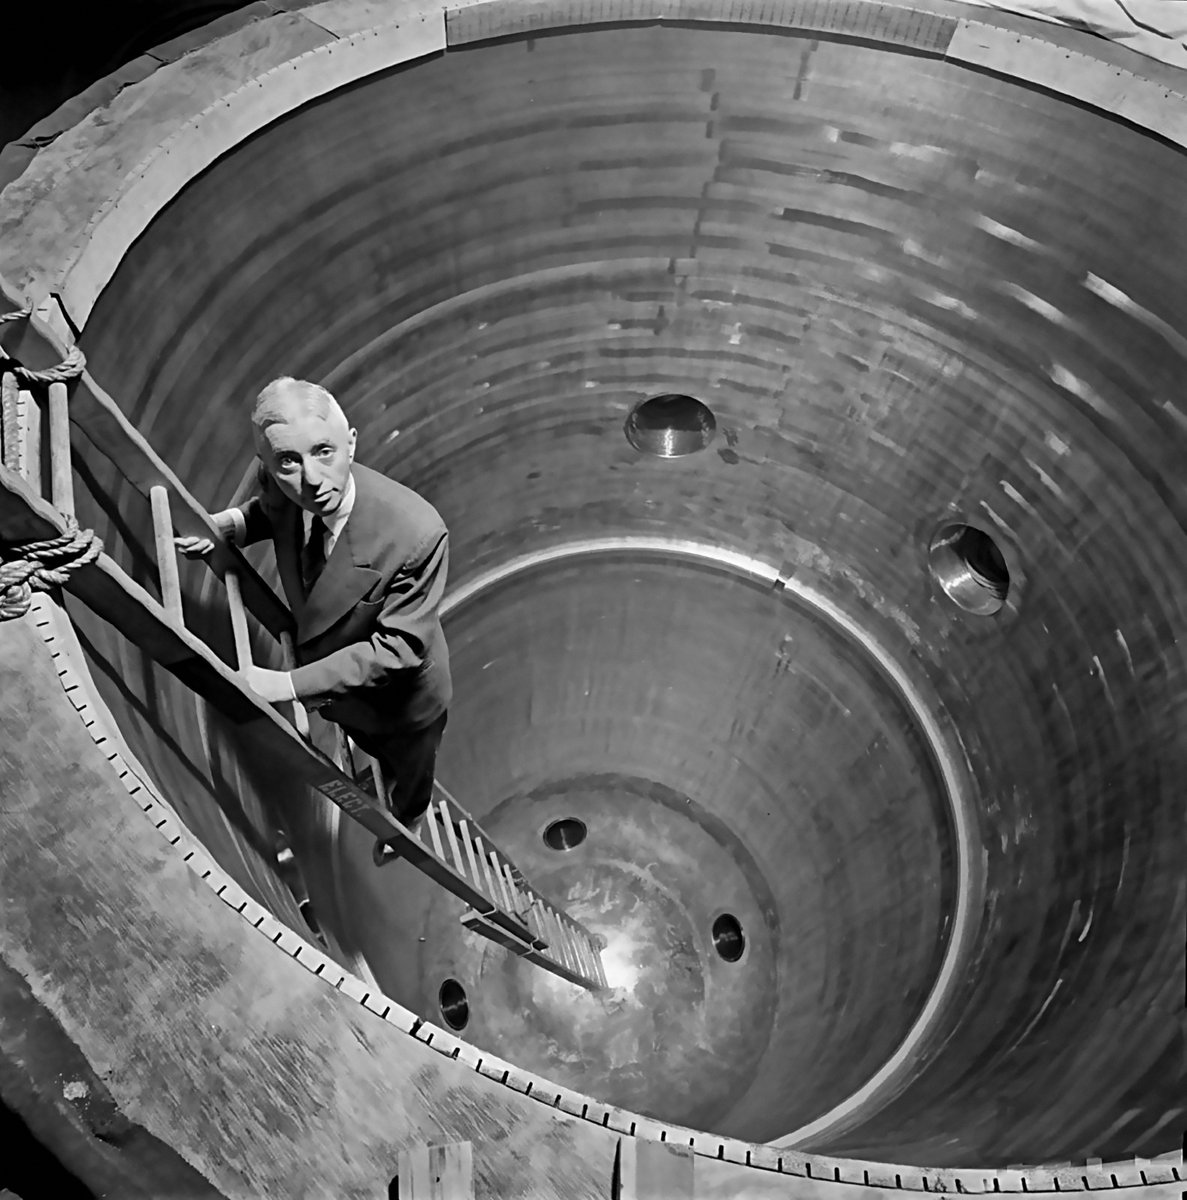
<point x="455" y="1008"/>
<point x="565" y="834"/>
<point x="728" y="939"/>
<point x="670" y="426"/>
<point x="967" y="564"/>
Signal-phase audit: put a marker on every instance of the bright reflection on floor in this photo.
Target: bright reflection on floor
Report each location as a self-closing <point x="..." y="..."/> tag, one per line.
<point x="618" y="961"/>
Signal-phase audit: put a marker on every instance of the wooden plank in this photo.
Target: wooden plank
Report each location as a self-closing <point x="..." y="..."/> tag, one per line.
<point x="451" y="1171"/>
<point x="436" y="1172"/>
<point x="61" y="468"/>
<point x="8" y="401"/>
<point x="30" y="439"/>
<point x="649" y="1170"/>
<point x="166" y="552"/>
<point x="413" y="1173"/>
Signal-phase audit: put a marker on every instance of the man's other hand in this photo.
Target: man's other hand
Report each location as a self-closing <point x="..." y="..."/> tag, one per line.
<point x="199" y="545"/>
<point x="194" y="547"/>
<point x="273" y="686"/>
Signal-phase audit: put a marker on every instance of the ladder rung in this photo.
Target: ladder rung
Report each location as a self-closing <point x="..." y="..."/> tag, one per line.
<point x="238" y="620"/>
<point x="60" y="465"/>
<point x="507" y="901"/>
<point x="434" y="832"/>
<point x="162" y="524"/>
<point x="560" y="946"/>
<point x="484" y="864"/>
<point x="451" y="838"/>
<point x="468" y="841"/>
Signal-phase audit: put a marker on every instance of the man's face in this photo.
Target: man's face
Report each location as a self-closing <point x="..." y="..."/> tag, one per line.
<point x="309" y="458"/>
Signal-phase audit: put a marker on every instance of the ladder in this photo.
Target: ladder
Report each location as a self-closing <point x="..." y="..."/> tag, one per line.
<point x="46" y="396"/>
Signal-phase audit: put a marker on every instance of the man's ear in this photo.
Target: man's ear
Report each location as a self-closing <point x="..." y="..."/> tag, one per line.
<point x="354" y="437"/>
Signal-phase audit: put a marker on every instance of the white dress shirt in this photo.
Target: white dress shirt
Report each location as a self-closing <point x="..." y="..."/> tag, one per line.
<point x="336" y="521"/>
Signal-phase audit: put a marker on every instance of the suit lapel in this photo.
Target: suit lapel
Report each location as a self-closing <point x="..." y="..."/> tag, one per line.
<point x="347" y="576"/>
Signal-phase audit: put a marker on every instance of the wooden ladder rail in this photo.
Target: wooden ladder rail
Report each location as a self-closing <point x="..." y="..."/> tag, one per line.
<point x="502" y="905"/>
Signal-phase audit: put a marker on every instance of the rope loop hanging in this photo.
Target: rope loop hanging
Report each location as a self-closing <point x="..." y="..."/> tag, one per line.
<point x="71" y="367"/>
<point x="18" y="314"/>
<point x="36" y="566"/>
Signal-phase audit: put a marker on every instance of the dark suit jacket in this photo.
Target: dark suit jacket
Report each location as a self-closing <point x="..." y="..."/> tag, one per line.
<point x="369" y="639"/>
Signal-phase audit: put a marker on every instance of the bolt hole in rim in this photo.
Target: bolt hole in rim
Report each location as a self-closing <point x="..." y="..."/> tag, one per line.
<point x="670" y="426"/>
<point x="565" y="834"/>
<point x="728" y="939"/>
<point x="455" y="1008"/>
<point x="970" y="569"/>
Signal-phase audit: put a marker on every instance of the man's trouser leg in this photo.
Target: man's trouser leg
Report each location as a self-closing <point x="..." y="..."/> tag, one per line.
<point x="408" y="761"/>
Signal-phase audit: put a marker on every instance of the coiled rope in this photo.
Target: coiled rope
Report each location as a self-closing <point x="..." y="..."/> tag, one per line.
<point x="36" y="566"/>
<point x="70" y="367"/>
<point x="15" y="376"/>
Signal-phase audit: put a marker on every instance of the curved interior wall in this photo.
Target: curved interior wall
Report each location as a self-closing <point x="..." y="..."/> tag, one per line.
<point x="640" y="695"/>
<point x="881" y="273"/>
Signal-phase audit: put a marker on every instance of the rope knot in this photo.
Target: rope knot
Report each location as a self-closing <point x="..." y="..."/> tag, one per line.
<point x="36" y="566"/>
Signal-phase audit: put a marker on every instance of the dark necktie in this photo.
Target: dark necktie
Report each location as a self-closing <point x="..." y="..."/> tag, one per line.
<point x="313" y="554"/>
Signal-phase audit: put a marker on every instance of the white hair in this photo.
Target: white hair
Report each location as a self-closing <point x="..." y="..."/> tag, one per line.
<point x="284" y="397"/>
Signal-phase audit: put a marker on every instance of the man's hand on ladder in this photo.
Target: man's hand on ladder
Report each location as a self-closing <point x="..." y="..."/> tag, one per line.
<point x="198" y="546"/>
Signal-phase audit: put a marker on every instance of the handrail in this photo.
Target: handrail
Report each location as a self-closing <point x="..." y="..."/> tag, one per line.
<point x="503" y="905"/>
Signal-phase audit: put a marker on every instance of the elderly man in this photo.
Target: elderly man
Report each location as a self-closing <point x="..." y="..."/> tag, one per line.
<point x="363" y="561"/>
